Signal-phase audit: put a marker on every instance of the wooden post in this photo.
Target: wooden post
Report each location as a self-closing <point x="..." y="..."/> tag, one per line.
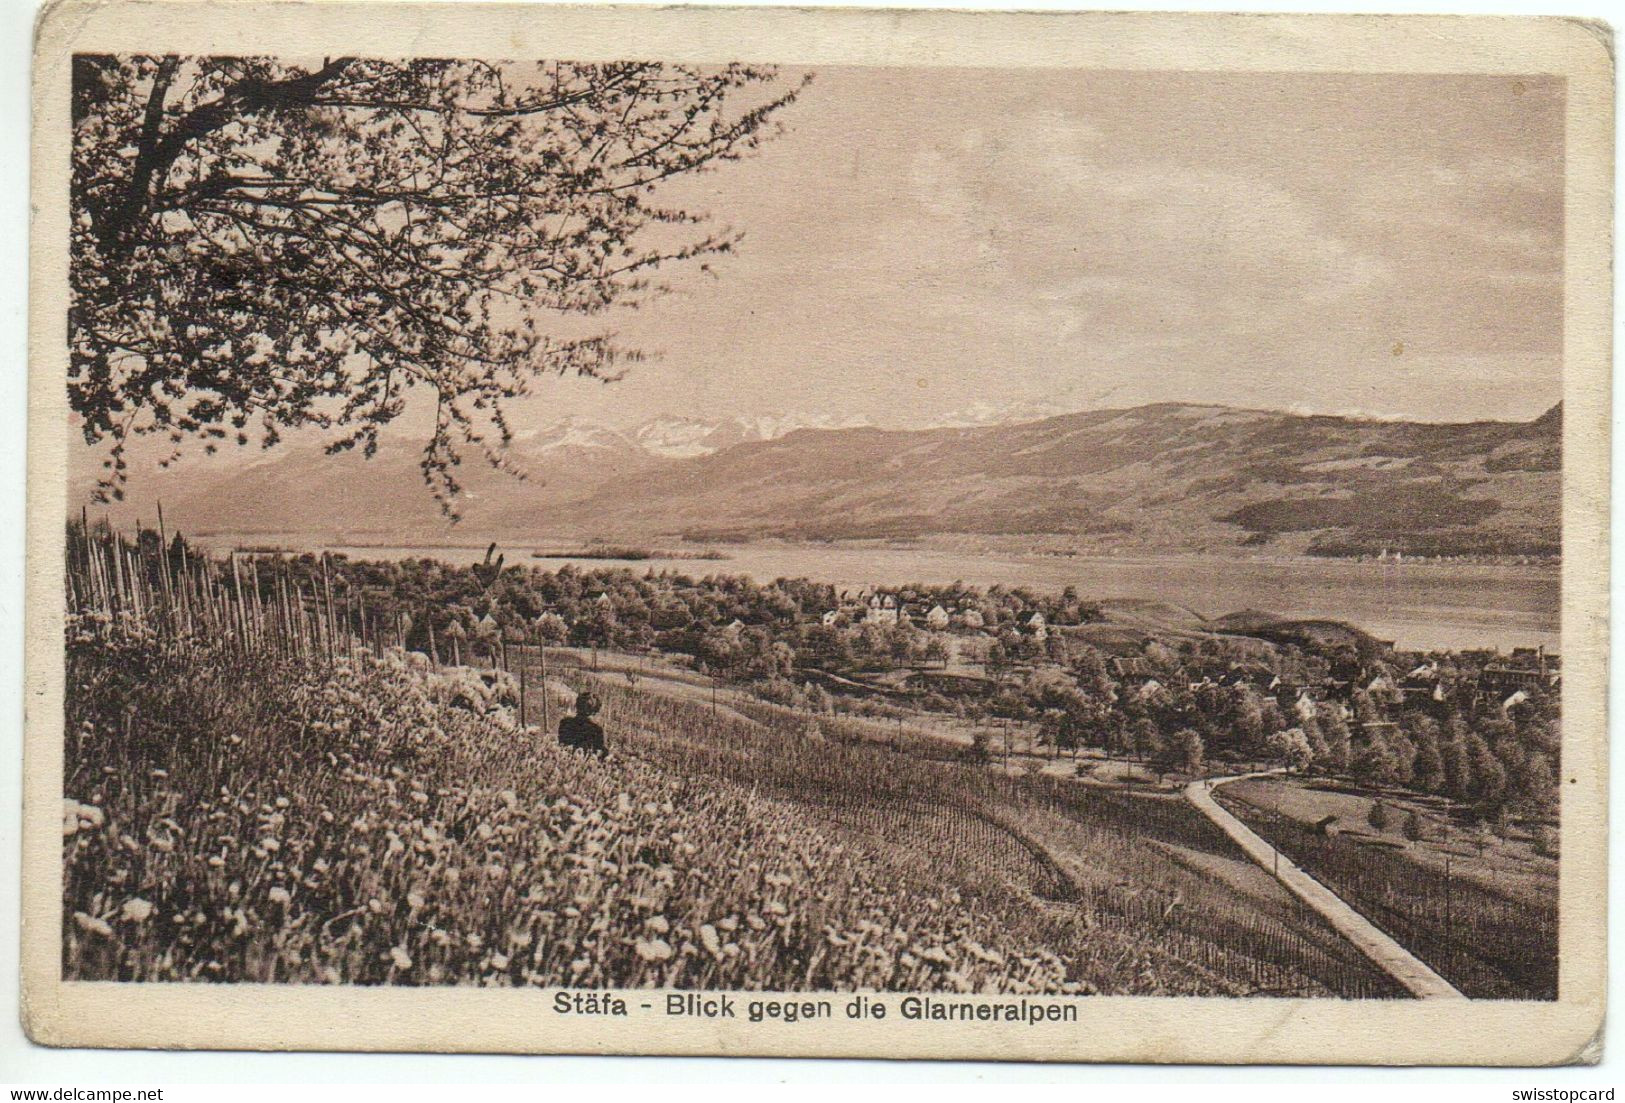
<point x="242" y="606"/>
<point x="521" y="695"/>
<point x="254" y="599"/>
<point x="163" y="553"/>
<point x="327" y="587"/>
<point x="542" y="650"/>
<point x="1448" y="918"/>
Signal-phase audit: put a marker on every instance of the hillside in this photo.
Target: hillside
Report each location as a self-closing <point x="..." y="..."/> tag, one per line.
<point x="709" y="851"/>
<point x="1163" y="477"/>
<point x="298" y="489"/>
<point x="383" y="498"/>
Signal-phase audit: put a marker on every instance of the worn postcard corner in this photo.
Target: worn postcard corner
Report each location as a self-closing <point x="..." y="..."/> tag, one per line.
<point x="602" y="529"/>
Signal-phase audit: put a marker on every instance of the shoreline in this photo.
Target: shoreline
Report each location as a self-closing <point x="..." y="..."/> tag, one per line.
<point x="296" y="544"/>
<point x="1435" y="607"/>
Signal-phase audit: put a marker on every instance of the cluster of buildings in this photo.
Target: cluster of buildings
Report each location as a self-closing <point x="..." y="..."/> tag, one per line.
<point x="1488" y="677"/>
<point x="891" y="609"/>
<point x="1525" y="668"/>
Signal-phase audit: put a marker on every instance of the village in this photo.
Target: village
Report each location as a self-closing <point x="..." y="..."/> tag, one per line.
<point x="961" y="659"/>
<point x="1139" y="680"/>
<point x="939" y="653"/>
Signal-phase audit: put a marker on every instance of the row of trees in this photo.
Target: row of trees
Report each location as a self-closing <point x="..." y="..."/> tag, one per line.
<point x="1482" y="757"/>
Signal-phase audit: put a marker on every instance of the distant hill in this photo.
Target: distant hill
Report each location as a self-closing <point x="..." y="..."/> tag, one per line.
<point x="1308" y="633"/>
<point x="1162" y="477"/>
<point x="1150" y="612"/>
<point x="298" y="489"/>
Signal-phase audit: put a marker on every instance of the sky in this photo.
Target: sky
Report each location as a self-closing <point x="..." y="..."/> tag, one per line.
<point x="922" y="240"/>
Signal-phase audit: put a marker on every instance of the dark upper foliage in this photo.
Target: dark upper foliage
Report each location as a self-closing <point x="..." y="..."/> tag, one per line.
<point x="258" y="244"/>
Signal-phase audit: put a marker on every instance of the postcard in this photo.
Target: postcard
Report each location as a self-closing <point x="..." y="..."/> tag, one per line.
<point x="910" y="534"/>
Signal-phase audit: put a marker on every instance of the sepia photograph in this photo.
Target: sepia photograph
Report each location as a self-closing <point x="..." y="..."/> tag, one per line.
<point x="805" y="542"/>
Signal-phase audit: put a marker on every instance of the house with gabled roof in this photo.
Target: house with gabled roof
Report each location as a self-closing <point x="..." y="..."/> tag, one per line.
<point x="882" y="609"/>
<point x="1034" y="624"/>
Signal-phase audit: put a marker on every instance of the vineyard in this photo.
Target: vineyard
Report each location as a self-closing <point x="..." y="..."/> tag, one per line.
<point x="1071" y="864"/>
<point x="260" y="785"/>
<point x="1490" y="944"/>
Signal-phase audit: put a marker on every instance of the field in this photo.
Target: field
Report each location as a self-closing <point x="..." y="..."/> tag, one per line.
<point x="378" y="823"/>
<point x="1510" y="865"/>
<point x="1489" y="927"/>
<point x="253" y="794"/>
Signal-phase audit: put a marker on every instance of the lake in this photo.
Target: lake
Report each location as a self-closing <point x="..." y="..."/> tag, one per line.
<point x="1418" y="605"/>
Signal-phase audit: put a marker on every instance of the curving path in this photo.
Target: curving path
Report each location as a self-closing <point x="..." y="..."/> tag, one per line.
<point x="1389" y="956"/>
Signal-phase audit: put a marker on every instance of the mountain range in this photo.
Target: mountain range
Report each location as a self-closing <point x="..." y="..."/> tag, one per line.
<point x="297" y="488"/>
<point x="675" y="436"/>
<point x="1167" y="477"/>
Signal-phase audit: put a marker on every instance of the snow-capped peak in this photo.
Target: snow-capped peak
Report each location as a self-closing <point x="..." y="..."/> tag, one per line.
<point x="574" y="432"/>
<point x="988" y="413"/>
<point x="677" y="437"/>
<point x="681" y="436"/>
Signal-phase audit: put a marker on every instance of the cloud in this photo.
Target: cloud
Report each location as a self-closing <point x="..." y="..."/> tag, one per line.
<point x="1233" y="238"/>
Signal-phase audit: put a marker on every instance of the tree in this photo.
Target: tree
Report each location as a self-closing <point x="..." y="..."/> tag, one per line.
<point x="1376" y="761"/>
<point x="1291" y="747"/>
<point x="1429" y="772"/>
<point x="1247" y="716"/>
<point x="1414" y="829"/>
<point x="1458" y="765"/>
<point x="258" y="245"/>
<point x="900" y="644"/>
<point x="1339" y="745"/>
<point x="1057" y="730"/>
<point x="1161" y="657"/>
<point x="1403" y="754"/>
<point x="1489" y="776"/>
<point x="997" y="660"/>
<point x="1535" y="791"/>
<point x="718" y="652"/>
<point x="1146" y="738"/>
<point x="1378" y="816"/>
<point x="598" y="626"/>
<point x="1088" y="666"/>
<point x="1185" y="751"/>
<point x="826" y="647"/>
<point x="1319" y="751"/>
<point x="1365" y="708"/>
